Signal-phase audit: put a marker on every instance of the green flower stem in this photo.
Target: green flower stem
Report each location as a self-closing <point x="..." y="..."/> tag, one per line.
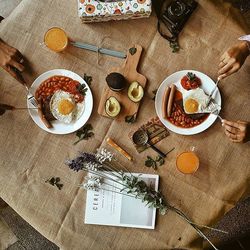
<point x="120" y="165"/>
<point x="182" y="215"/>
<point x="104" y="176"/>
<point x="111" y="169"/>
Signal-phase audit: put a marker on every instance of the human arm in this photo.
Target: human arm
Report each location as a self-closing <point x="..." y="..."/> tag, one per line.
<point x="11" y="60"/>
<point x="232" y="60"/>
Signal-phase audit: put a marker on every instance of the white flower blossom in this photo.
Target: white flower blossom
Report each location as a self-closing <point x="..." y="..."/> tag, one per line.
<point x="92" y="182"/>
<point x="93" y="166"/>
<point x="103" y="154"/>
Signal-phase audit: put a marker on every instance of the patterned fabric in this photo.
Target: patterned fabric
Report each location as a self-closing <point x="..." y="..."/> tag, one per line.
<point x="98" y="11"/>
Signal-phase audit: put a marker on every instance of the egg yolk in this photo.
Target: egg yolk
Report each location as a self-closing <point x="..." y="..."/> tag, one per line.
<point x="65" y="107"/>
<point x="191" y="106"/>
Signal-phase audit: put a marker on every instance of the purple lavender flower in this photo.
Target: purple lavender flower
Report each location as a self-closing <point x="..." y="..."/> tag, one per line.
<point x="79" y="162"/>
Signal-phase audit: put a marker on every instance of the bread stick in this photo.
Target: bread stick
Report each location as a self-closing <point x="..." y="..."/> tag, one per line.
<point x="119" y="149"/>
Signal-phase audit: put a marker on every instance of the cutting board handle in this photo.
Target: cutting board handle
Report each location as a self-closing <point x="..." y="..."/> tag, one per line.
<point x="133" y="58"/>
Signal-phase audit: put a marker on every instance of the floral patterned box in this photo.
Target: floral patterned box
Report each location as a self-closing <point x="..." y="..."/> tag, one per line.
<point x="99" y="11"/>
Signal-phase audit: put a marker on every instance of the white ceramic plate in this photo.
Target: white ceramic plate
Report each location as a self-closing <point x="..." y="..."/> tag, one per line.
<point x="207" y="84"/>
<point x="59" y="127"/>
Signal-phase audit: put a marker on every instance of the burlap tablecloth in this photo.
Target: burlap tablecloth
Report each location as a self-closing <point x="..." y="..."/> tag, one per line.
<point x="29" y="156"/>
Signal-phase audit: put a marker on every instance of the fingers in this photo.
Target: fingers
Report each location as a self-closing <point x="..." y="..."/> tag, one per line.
<point x="232" y="70"/>
<point x="237" y="125"/>
<point x="232" y="124"/>
<point x="224" y="57"/>
<point x="12" y="57"/>
<point x="232" y="136"/>
<point x="13" y="72"/>
<point x="234" y="130"/>
<point x="17" y="65"/>
<point x="222" y="64"/>
<point x="18" y="56"/>
<point x="228" y="65"/>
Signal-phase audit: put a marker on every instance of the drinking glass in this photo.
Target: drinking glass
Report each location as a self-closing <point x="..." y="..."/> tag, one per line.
<point x="188" y="162"/>
<point x="56" y="39"/>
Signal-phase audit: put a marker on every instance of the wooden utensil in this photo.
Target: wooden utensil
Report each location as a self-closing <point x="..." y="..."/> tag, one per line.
<point x="129" y="71"/>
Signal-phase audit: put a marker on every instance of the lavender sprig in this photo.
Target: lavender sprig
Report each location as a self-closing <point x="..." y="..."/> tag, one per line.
<point x="80" y="162"/>
<point x="100" y="164"/>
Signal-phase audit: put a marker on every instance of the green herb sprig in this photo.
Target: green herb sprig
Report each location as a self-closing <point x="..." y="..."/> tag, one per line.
<point x="84" y="133"/>
<point x="154" y="94"/>
<point x="54" y="181"/>
<point x="82" y="87"/>
<point x="191" y="76"/>
<point x="130" y="118"/>
<point x="154" y="163"/>
<point x="174" y="45"/>
<point x="87" y="79"/>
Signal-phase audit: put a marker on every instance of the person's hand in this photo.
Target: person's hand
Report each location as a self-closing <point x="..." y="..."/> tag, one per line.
<point x="233" y="59"/>
<point x="11" y="60"/>
<point x="237" y="131"/>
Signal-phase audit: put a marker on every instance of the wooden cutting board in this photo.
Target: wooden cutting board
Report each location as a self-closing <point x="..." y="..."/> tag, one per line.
<point x="129" y="71"/>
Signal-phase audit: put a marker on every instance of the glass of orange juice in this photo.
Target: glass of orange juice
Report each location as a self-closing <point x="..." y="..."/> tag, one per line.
<point x="188" y="162"/>
<point x="56" y="39"/>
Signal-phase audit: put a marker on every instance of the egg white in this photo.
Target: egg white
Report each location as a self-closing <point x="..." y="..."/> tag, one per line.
<point x="201" y="98"/>
<point x="76" y="113"/>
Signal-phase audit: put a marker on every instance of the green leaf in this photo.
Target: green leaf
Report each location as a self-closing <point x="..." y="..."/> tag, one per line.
<point x="149" y="162"/>
<point x="130" y="118"/>
<point x="191" y="76"/>
<point x="174" y="45"/>
<point x="59" y="186"/>
<point x="158" y="157"/>
<point x="154" y="163"/>
<point x="57" y="179"/>
<point x="160" y="160"/>
<point x="87" y="79"/>
<point x="132" y="50"/>
<point x="82" y="89"/>
<point x="154" y="94"/>
<point x="54" y="181"/>
<point x="84" y="133"/>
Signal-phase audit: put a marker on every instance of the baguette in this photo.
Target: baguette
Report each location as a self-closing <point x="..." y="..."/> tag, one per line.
<point x="171" y="99"/>
<point x="165" y="102"/>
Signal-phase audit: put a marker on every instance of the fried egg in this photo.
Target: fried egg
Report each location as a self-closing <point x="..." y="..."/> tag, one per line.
<point x="196" y="101"/>
<point x="64" y="108"/>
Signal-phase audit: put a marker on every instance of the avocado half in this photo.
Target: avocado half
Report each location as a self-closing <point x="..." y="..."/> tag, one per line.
<point x="135" y="92"/>
<point x="112" y="107"/>
<point x="116" y="81"/>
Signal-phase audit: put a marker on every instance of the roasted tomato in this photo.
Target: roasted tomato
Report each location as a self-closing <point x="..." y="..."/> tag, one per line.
<point x="190" y="81"/>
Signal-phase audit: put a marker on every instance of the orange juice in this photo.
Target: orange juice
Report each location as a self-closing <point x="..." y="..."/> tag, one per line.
<point x="56" y="39"/>
<point x="187" y="162"/>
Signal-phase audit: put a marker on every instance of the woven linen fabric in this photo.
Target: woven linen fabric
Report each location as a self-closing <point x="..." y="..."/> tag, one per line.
<point x="29" y="155"/>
